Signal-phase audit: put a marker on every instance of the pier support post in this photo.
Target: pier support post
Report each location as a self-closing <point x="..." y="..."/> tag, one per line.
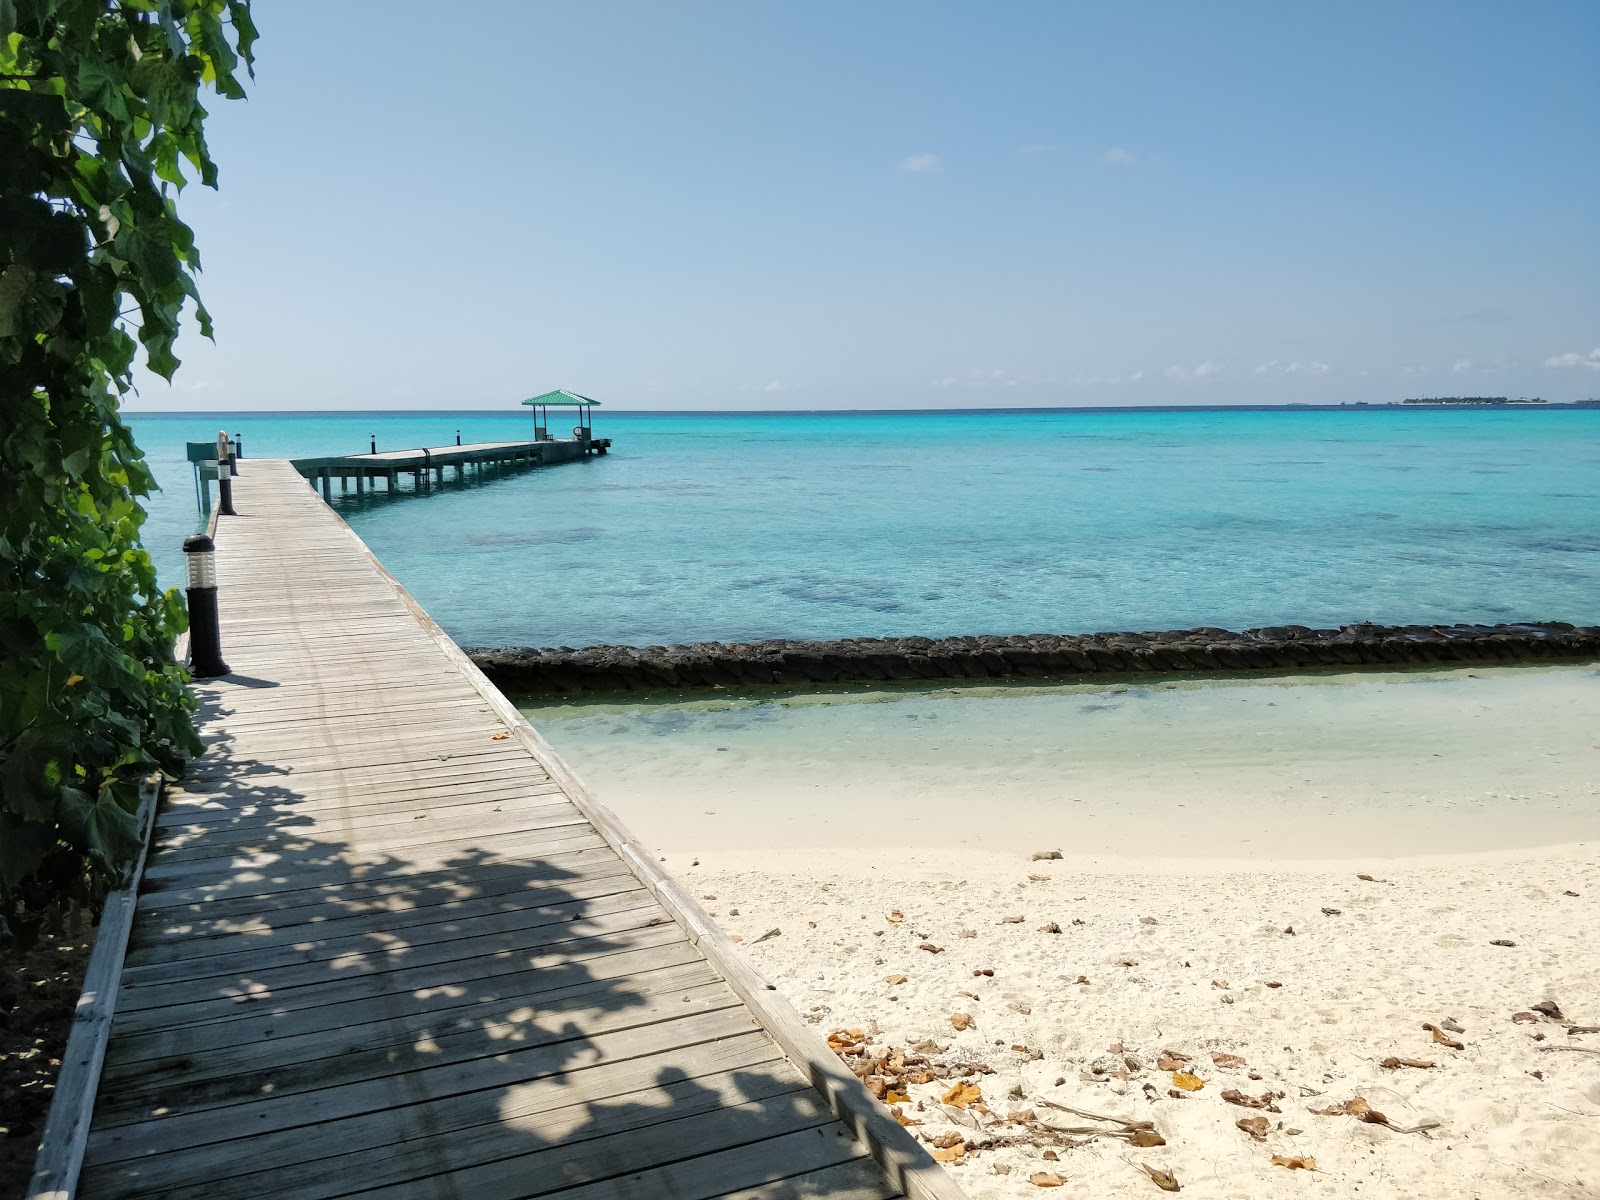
<point x="327" y="485"/>
<point x="205" y="627"/>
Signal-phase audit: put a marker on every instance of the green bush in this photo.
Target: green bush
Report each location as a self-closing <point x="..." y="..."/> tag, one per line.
<point x="99" y="112"/>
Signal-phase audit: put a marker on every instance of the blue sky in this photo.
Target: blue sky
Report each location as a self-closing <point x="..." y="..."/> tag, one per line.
<point x="821" y="205"/>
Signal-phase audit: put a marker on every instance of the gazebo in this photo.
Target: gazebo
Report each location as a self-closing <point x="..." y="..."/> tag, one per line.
<point x="561" y="398"/>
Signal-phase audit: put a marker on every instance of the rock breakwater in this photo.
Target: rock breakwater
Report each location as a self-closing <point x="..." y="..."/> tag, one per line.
<point x="1027" y="656"/>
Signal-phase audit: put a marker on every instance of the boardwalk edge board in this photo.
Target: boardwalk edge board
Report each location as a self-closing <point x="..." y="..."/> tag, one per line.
<point x="908" y="1166"/>
<point x="66" y="1127"/>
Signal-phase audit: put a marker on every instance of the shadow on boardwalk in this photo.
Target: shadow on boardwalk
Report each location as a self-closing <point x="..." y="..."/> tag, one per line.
<point x="439" y="1020"/>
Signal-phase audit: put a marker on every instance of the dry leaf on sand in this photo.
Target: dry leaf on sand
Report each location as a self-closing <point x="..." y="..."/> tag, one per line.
<point x="1443" y="1038"/>
<point x="1256" y="1127"/>
<point x="1265" y="1100"/>
<point x="1188" y="1082"/>
<point x="931" y="948"/>
<point x="1170" y="1061"/>
<point x="1354" y="1107"/>
<point x="894" y="979"/>
<point x="946" y="1140"/>
<point x="961" y="1020"/>
<point x="896" y="916"/>
<point x="953" y="1154"/>
<point x="1050" y="928"/>
<point x="1145" y="1138"/>
<point x="1294" y="1162"/>
<point x="1045" y="1179"/>
<point x="1165" y="1180"/>
<point x="1226" y="1060"/>
<point x="962" y="1095"/>
<point x="903" y="1119"/>
<point x="1396" y="1063"/>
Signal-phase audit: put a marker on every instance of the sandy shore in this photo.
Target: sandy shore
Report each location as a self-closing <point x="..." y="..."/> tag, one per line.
<point x="1172" y="958"/>
<point x="1210" y="902"/>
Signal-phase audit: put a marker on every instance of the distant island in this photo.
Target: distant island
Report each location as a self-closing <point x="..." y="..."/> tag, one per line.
<point x="1474" y="400"/>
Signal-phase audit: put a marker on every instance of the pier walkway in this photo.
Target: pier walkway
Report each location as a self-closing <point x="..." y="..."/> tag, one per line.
<point x="387" y="945"/>
<point x="427" y="465"/>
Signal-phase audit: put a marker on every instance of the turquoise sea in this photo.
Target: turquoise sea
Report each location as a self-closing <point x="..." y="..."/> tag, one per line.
<point x="735" y="526"/>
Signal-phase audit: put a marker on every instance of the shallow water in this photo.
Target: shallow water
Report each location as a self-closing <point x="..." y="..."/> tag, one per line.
<point x="744" y="526"/>
<point x="1394" y="763"/>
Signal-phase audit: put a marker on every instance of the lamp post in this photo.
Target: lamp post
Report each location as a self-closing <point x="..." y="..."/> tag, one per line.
<point x="224" y="476"/>
<point x="205" y="628"/>
<point x="374" y="443"/>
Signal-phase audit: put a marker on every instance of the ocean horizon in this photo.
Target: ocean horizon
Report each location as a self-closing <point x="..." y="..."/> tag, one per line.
<point x="733" y="525"/>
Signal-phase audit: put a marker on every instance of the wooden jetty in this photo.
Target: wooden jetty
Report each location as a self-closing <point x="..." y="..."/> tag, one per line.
<point x="386" y="943"/>
<point x="427" y="466"/>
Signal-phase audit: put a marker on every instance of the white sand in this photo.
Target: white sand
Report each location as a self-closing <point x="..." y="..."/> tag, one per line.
<point x="1356" y="988"/>
<point x="1225" y="812"/>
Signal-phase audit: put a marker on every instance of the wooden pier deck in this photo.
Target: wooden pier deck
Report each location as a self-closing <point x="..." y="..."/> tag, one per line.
<point x="387" y="945"/>
<point x="427" y="464"/>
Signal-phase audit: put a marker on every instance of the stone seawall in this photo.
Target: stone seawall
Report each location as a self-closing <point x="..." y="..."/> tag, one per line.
<point x="1027" y="656"/>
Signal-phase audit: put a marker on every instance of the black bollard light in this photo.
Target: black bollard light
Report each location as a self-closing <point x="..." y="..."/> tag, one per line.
<point x="225" y="489"/>
<point x="224" y="475"/>
<point x="458" y="437"/>
<point x="238" y="447"/>
<point x="374" y="443"/>
<point x="205" y="628"/>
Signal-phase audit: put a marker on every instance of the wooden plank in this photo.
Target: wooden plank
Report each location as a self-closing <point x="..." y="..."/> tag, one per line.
<point x="333" y="869"/>
<point x="769" y="1161"/>
<point x="183" y="1084"/>
<point x="383" y="1149"/>
<point x="564" y="962"/>
<point x="642" y="1146"/>
<point x="196" y="929"/>
<point x="193" y="945"/>
<point x="220" y="1047"/>
<point x="144" y="1130"/>
<point x="626" y="973"/>
<point x="217" y="901"/>
<point x="388" y="830"/>
<point x="72" y="1106"/>
<point x="274" y="978"/>
<point x="251" y="956"/>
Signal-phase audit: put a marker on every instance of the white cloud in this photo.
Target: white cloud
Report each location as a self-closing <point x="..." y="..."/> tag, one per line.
<point x="1205" y="370"/>
<point x="1118" y="157"/>
<point x="1137" y="375"/>
<point x="1590" y="360"/>
<point x="1461" y="366"/>
<point x="1276" y="367"/>
<point x="922" y="164"/>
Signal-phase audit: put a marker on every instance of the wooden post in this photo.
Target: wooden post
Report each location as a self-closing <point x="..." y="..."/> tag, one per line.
<point x="327" y="485"/>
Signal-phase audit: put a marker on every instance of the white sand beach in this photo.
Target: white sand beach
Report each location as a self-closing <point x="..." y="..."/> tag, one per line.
<point x="1209" y="901"/>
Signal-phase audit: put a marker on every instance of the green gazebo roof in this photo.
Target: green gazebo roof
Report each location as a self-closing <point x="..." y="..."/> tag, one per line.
<point x="562" y="396"/>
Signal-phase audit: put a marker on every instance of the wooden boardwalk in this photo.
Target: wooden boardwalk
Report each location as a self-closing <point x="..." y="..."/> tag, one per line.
<point x="427" y="465"/>
<point x="387" y="946"/>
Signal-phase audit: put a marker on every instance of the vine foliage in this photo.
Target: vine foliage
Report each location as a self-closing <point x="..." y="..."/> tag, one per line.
<point x="100" y="121"/>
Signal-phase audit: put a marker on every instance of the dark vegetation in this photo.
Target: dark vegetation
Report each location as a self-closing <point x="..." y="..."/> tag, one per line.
<point x="100" y="119"/>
